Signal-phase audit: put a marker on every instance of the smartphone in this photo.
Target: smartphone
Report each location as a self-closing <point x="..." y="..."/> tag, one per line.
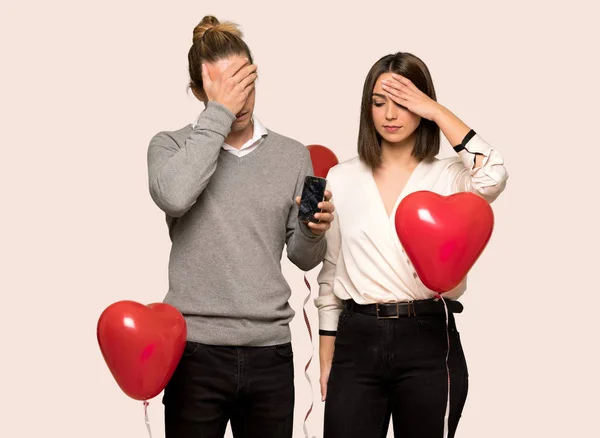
<point x="313" y="192"/>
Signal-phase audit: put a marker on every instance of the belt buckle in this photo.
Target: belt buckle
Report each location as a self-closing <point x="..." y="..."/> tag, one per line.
<point x="396" y="316"/>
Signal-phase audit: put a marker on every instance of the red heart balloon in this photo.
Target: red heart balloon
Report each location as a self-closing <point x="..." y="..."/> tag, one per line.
<point x="322" y="159"/>
<point x="141" y="345"/>
<point x="443" y="236"/>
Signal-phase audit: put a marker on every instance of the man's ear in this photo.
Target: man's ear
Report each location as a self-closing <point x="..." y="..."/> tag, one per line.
<point x="200" y="94"/>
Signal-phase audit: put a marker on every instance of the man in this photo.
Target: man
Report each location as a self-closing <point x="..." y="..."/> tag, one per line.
<point x="229" y="187"/>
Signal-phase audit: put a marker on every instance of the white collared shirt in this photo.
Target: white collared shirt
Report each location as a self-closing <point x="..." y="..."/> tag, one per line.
<point x="260" y="132"/>
<point x="365" y="260"/>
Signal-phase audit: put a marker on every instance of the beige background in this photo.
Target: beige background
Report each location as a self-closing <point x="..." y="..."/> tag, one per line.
<point x="84" y="86"/>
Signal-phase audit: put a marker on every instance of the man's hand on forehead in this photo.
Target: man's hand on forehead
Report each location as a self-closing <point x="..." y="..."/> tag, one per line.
<point x="232" y="87"/>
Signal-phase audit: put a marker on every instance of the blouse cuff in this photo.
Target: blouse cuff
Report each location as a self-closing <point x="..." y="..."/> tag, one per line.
<point x="490" y="178"/>
<point x="327" y="333"/>
<point x="329" y="307"/>
<point x="471" y="146"/>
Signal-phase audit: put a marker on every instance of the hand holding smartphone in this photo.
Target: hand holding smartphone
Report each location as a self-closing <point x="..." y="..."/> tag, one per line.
<point x="313" y="193"/>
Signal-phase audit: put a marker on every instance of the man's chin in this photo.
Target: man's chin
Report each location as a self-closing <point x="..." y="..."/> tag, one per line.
<point x="241" y="125"/>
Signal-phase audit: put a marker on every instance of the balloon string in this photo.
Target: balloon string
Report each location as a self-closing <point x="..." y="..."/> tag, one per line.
<point x="311" y="356"/>
<point x="146" y="418"/>
<point x="447" y="414"/>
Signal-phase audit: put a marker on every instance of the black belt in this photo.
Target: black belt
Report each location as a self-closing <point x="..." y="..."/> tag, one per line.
<point x="409" y="308"/>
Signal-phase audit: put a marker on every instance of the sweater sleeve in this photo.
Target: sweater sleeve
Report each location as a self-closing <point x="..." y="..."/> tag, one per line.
<point x="305" y="249"/>
<point x="178" y="175"/>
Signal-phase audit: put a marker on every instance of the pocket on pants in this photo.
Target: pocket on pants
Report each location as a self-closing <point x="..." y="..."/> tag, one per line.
<point x="190" y="348"/>
<point x="344" y="315"/>
<point x="284" y="351"/>
<point x="436" y="322"/>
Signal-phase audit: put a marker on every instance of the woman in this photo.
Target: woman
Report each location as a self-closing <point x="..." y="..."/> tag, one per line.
<point x="383" y="340"/>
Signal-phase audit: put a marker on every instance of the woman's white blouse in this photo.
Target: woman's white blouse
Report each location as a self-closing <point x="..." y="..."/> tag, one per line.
<point x="365" y="260"/>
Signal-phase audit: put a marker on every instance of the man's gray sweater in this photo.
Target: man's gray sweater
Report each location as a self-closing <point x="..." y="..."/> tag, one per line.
<point x="229" y="218"/>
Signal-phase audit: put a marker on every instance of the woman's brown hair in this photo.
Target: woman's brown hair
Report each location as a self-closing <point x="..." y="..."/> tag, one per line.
<point x="427" y="144"/>
<point x="213" y="41"/>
